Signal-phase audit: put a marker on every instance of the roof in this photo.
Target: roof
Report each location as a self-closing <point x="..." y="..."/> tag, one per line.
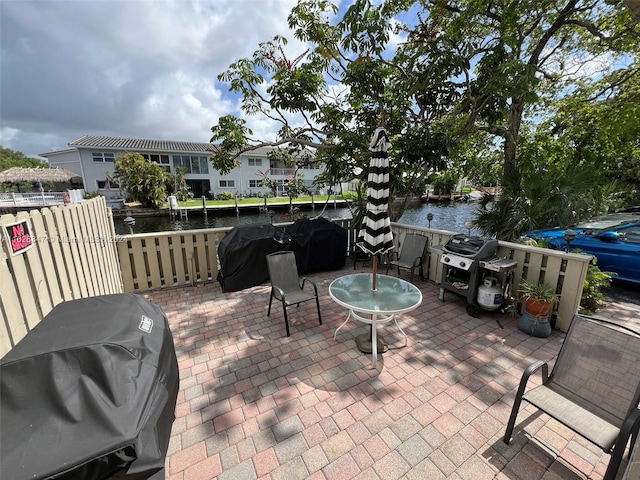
<point x="33" y="174"/>
<point x="54" y="152"/>
<point x="141" y="144"/>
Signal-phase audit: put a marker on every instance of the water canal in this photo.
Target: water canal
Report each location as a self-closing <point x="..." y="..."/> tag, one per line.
<point x="446" y="216"/>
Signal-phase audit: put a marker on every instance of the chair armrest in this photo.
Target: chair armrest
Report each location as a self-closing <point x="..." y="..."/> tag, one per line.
<point x="305" y="279"/>
<point x="530" y="370"/>
<point x="278" y="290"/>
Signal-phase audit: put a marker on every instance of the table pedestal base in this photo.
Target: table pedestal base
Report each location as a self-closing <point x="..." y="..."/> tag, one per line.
<point x="364" y="343"/>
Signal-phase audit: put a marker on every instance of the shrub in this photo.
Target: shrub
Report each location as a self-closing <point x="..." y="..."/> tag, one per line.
<point x="224" y="196"/>
<point x="592" y="297"/>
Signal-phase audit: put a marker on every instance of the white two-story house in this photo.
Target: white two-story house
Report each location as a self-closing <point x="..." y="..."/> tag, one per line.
<point x="92" y="157"/>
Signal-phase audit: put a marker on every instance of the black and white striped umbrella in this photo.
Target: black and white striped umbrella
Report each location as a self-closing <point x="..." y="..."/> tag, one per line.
<point x="376" y="235"/>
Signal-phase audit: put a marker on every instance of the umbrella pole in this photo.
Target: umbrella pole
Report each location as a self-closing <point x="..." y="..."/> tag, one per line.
<point x="364" y="342"/>
<point x="375" y="272"/>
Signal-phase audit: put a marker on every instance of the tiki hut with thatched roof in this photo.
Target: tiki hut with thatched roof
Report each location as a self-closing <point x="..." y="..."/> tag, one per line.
<point x="33" y="174"/>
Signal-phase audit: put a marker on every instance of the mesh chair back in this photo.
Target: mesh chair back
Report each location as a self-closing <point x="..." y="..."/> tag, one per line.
<point x="413" y="247"/>
<point x="283" y="271"/>
<point x="599" y="368"/>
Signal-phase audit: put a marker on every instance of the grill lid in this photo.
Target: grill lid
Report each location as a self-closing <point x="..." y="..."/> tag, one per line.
<point x="472" y="247"/>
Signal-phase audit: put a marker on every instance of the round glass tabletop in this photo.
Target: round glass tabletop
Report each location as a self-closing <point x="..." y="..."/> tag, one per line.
<point x="392" y="295"/>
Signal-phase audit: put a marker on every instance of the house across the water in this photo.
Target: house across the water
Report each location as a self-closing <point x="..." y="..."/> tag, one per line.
<point x="92" y="157"/>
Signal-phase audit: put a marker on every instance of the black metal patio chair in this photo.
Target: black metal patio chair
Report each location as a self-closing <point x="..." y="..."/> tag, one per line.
<point x="594" y="387"/>
<point x="411" y="255"/>
<point x="287" y="286"/>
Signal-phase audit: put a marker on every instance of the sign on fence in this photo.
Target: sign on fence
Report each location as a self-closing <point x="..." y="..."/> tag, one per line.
<point x="19" y="237"/>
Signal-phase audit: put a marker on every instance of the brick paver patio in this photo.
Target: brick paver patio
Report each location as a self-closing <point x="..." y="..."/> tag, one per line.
<point x="254" y="404"/>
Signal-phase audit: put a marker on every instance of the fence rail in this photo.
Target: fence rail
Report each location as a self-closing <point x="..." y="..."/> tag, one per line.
<point x="157" y="260"/>
<point x="75" y="253"/>
<point x="563" y="271"/>
<point x="53" y="255"/>
<point x="38" y="199"/>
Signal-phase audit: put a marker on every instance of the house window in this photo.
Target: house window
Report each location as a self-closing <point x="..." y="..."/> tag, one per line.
<point x="162" y="160"/>
<point x="102" y="156"/>
<point x="227" y="183"/>
<point x="255" y="162"/>
<point x="193" y="163"/>
<point x="255" y="183"/>
<point x="102" y="185"/>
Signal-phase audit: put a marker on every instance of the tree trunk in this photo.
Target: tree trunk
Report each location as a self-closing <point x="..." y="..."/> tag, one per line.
<point x="511" y="136"/>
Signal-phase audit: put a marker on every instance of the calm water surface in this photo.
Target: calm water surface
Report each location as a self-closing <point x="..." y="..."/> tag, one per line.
<point x="445" y="217"/>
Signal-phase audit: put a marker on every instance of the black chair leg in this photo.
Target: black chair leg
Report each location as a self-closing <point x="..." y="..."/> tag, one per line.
<point x="629" y="426"/>
<point x="270" y="299"/>
<point x="319" y="314"/>
<point x="286" y="318"/>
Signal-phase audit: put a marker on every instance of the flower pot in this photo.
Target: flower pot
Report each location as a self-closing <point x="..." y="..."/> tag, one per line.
<point x="535" y="325"/>
<point x="536" y="308"/>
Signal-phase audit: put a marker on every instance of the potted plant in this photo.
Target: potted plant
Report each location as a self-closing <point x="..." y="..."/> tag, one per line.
<point x="537" y="298"/>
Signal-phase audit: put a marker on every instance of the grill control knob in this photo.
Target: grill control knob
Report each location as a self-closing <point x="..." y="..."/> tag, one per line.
<point x="462" y="264"/>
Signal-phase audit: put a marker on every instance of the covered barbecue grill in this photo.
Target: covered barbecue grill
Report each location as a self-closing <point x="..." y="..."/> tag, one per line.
<point x="319" y="244"/>
<point x="472" y="270"/>
<point x="90" y="393"/>
<point x="243" y="255"/>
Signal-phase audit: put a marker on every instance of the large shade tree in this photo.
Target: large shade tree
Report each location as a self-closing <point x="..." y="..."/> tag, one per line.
<point x="434" y="73"/>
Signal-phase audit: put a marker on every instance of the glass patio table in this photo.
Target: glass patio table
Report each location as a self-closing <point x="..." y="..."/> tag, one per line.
<point x="391" y="297"/>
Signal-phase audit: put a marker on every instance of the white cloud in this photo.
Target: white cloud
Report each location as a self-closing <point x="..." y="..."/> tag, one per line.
<point x="127" y="68"/>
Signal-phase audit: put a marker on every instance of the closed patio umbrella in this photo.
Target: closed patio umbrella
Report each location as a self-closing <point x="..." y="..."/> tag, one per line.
<point x="376" y="235"/>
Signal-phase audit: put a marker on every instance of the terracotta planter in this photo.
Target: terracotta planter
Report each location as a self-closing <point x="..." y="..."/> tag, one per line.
<point x="536" y="308"/>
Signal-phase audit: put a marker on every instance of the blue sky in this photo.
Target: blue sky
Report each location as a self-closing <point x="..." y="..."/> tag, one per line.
<point x="134" y="68"/>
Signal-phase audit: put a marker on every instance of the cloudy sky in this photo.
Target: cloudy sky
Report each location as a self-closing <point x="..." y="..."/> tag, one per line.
<point x="130" y="68"/>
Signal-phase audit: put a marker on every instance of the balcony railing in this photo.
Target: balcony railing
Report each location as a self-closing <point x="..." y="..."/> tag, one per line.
<point x="284" y="172"/>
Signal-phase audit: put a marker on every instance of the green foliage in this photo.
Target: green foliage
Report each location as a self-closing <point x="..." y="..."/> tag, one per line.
<point x="538" y="292"/>
<point x="539" y="197"/>
<point x="444" y="182"/>
<point x="592" y="296"/>
<point x="455" y="93"/>
<point x="11" y="158"/>
<point x="358" y="207"/>
<point x="226" y="195"/>
<point x="144" y="181"/>
<point x="178" y="186"/>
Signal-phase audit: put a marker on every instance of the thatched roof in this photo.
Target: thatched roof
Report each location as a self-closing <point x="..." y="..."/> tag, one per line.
<point x="24" y="174"/>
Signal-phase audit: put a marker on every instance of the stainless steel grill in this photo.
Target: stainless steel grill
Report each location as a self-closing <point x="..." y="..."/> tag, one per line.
<point x="466" y="262"/>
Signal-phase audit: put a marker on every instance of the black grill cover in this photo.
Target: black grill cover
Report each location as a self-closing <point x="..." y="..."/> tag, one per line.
<point x="242" y="253"/>
<point x="90" y="393"/>
<point x="319" y="244"/>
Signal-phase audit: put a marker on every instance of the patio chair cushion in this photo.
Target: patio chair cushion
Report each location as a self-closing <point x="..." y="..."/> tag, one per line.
<point x="577" y="418"/>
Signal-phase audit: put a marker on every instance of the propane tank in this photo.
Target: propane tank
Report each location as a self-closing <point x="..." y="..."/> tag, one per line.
<point x="490" y="294"/>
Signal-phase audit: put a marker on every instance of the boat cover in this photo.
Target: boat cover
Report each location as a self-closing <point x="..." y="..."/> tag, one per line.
<point x="90" y="393"/>
<point x="242" y="253"/>
<point x="319" y="244"/>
